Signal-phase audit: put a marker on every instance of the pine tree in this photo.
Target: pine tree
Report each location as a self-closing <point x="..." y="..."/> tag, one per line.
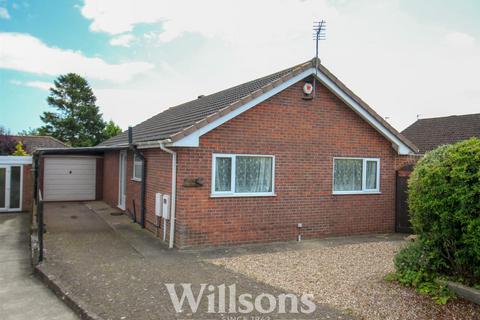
<point x="77" y="120"/>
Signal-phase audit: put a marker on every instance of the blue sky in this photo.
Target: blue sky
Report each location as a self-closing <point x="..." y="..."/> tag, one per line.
<point x="141" y="56"/>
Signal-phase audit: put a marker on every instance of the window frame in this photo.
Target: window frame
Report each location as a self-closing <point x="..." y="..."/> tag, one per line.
<point x="136" y="161"/>
<point x="364" y="176"/>
<point x="232" y="193"/>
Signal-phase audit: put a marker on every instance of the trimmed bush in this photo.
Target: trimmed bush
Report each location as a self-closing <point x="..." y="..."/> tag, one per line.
<point x="444" y="202"/>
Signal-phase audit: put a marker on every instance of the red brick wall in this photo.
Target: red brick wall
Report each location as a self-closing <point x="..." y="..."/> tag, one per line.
<point x="159" y="177"/>
<point x="304" y="136"/>
<point x="159" y="170"/>
<point x="133" y="189"/>
<point x="402" y="161"/>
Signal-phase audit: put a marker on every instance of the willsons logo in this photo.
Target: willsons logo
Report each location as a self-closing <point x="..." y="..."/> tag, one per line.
<point x="222" y="299"/>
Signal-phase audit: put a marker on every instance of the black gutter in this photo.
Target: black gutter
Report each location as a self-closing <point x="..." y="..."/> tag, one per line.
<point x="134" y="149"/>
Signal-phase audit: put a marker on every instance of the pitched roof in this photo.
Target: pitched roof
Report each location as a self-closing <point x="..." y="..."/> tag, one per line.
<point x="175" y="119"/>
<point x="430" y="133"/>
<point x="180" y="121"/>
<point x="32" y="143"/>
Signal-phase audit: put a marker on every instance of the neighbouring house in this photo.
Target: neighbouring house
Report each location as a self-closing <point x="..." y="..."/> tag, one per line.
<point x="429" y="133"/>
<point x="16" y="187"/>
<point x="293" y="154"/>
<point x="32" y="143"/>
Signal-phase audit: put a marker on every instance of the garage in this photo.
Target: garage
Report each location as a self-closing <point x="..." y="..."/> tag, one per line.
<point x="69" y="178"/>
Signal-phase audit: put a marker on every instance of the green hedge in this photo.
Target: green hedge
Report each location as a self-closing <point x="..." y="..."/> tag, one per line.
<point x="444" y="202"/>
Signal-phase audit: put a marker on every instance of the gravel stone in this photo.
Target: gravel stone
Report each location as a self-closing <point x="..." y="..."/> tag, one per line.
<point x="349" y="277"/>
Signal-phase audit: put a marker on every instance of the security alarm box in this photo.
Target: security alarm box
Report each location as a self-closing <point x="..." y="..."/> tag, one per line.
<point x="158" y="204"/>
<point x="166" y="206"/>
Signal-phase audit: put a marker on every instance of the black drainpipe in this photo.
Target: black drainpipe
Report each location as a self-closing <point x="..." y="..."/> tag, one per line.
<point x="144" y="166"/>
<point x="36" y="174"/>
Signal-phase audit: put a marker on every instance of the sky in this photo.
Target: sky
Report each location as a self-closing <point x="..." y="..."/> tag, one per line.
<point x="405" y="58"/>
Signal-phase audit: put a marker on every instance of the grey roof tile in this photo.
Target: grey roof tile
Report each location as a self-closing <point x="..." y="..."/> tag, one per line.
<point x="175" y="119"/>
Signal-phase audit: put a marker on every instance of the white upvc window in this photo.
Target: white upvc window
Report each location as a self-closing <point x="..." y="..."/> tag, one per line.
<point x="356" y="175"/>
<point x="137" y="168"/>
<point x="243" y="175"/>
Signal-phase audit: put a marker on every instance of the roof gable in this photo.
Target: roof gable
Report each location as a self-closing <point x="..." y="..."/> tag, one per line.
<point x="186" y="123"/>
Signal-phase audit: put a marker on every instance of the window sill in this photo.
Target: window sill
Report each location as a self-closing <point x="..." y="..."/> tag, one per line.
<point x="347" y="193"/>
<point x="136" y="179"/>
<point x="243" y="195"/>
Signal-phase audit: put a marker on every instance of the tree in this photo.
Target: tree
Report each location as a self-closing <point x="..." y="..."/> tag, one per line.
<point x="29" y="132"/>
<point x="77" y="120"/>
<point x="19" y="150"/>
<point x="7" y="143"/>
<point x="111" y="130"/>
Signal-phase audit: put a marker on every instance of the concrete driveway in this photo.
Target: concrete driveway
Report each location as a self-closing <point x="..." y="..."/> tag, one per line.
<point x="22" y="296"/>
<point x="116" y="270"/>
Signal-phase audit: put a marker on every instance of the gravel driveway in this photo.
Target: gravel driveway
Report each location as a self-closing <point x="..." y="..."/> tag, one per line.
<point x="349" y="277"/>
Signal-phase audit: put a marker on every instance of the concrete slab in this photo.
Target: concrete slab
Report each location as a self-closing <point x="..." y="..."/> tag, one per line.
<point x="22" y="296"/>
<point x="120" y="271"/>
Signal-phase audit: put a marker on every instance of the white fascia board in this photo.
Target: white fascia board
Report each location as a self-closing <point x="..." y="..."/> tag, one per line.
<point x="7" y="160"/>
<point x="193" y="139"/>
<point x="398" y="145"/>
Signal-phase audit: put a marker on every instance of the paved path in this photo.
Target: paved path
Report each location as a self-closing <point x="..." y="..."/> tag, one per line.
<point x="22" y="296"/>
<point x="116" y="270"/>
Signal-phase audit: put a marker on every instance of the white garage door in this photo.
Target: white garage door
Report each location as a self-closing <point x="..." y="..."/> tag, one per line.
<point x="67" y="179"/>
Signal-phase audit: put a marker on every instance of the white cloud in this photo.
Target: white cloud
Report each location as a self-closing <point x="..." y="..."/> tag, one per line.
<point x="240" y="20"/>
<point x="4" y="13"/>
<point x="400" y="63"/>
<point x="42" y="85"/>
<point x="24" y="52"/>
<point x="122" y="40"/>
<point x="459" y="40"/>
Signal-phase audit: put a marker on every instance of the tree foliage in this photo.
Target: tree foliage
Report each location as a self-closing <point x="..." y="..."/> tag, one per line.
<point x="444" y="202"/>
<point x="29" y="132"/>
<point x="77" y="120"/>
<point x="111" y="130"/>
<point x="7" y="143"/>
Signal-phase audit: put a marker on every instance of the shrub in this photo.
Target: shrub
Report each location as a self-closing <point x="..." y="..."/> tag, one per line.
<point x="444" y="202"/>
<point x="413" y="268"/>
<point x="19" y="150"/>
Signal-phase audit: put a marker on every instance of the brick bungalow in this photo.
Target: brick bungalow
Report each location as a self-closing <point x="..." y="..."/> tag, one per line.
<point x="267" y="160"/>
